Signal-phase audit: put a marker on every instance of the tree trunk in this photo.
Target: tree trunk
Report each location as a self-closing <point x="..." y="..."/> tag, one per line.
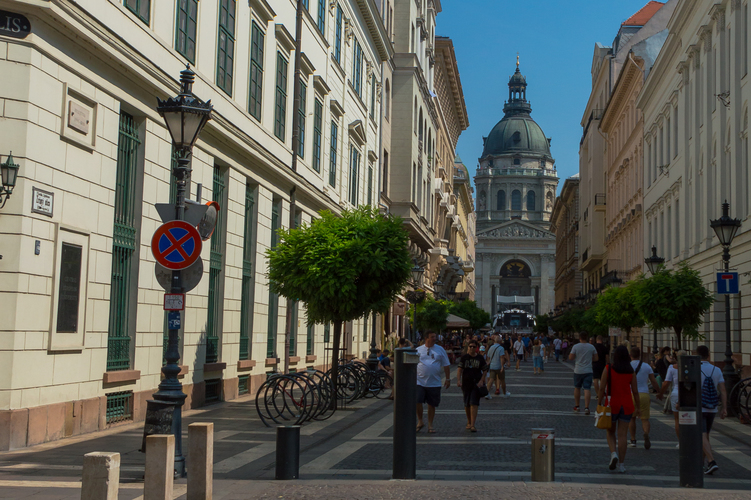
<point x="335" y="363"/>
<point x="678" y="336"/>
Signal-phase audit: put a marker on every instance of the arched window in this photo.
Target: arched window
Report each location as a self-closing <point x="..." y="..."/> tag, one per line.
<point x="531" y="201"/>
<point x="501" y="200"/>
<point x="516" y="200"/>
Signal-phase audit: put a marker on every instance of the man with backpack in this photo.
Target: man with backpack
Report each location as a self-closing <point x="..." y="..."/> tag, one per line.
<point x="497" y="359"/>
<point x="712" y="382"/>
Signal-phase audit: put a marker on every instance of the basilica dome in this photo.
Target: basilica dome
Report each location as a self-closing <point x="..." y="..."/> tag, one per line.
<point x="517" y="132"/>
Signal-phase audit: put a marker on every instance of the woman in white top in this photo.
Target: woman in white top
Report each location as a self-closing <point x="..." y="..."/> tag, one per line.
<point x="672" y="377"/>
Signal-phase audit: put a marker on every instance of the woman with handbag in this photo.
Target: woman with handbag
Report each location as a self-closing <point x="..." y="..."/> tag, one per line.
<point x="619" y="387"/>
<point x="470" y="374"/>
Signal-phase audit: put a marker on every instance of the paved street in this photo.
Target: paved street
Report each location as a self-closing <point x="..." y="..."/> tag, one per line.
<point x="354" y="447"/>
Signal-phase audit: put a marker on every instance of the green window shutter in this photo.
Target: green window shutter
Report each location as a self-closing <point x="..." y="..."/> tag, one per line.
<point x="226" y="45"/>
<point x="215" y="308"/>
<point x="246" y="300"/>
<point x="317" y="134"/>
<point x="123" y="245"/>
<point x="141" y="8"/>
<point x="338" y="34"/>
<point x="273" y="298"/>
<point x="327" y="333"/>
<point x="185" y="32"/>
<point x="257" y="41"/>
<point x="370" y="186"/>
<point x="309" y="340"/>
<point x="301" y="118"/>
<point x="280" y="106"/>
<point x="322" y="17"/>
<point x="333" y="153"/>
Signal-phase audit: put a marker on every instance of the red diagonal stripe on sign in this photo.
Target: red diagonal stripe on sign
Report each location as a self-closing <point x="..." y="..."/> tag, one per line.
<point x="176" y="245"/>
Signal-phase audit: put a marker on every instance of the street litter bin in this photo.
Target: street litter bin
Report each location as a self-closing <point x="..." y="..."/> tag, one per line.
<point x="543" y="454"/>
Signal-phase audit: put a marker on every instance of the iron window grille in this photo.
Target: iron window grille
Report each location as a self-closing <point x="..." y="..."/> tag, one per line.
<point x="215" y="271"/>
<point x="273" y="298"/>
<point x="213" y="392"/>
<point x="246" y="300"/>
<point x="119" y="407"/>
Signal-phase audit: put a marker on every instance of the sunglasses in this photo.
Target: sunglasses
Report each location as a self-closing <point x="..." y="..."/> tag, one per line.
<point x="473" y="346"/>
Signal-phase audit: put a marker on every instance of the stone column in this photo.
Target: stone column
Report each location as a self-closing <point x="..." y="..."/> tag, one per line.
<point x="201" y="463"/>
<point x="101" y="476"/>
<point x="160" y="467"/>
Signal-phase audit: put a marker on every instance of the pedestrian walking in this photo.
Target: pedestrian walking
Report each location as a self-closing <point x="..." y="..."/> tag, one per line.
<point x="433" y="360"/>
<point x="537" y="357"/>
<point x="557" y="346"/>
<point x="599" y="365"/>
<point x="662" y="362"/>
<point x="619" y="386"/>
<point x="712" y="381"/>
<point x="644" y="378"/>
<point x="519" y="351"/>
<point x="583" y="354"/>
<point x="470" y="376"/>
<point x="671" y="383"/>
<point x="497" y="360"/>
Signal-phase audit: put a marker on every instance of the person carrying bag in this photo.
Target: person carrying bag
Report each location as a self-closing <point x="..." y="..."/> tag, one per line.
<point x="603" y="416"/>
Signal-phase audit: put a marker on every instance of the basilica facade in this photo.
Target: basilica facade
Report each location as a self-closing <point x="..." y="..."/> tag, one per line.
<point x="516" y="183"/>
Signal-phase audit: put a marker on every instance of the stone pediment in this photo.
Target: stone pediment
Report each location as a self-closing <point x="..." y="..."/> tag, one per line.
<point x="516" y="229"/>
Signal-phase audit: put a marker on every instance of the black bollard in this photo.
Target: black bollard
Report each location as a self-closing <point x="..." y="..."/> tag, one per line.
<point x="405" y="416"/>
<point x="689" y="422"/>
<point x="288" y="452"/>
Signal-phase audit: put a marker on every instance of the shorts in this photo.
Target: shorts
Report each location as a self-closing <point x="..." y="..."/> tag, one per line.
<point x="492" y="374"/>
<point x="583" y="381"/>
<point x="538" y="362"/>
<point x="520" y="357"/>
<point x="471" y="396"/>
<point x="597" y="372"/>
<point x="644" y="405"/>
<point x="674" y="403"/>
<point x="429" y="395"/>
<point x="621" y="415"/>
<point x="707" y="419"/>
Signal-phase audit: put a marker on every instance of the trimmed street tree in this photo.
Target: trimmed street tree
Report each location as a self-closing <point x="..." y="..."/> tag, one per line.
<point x="674" y="299"/>
<point x="616" y="307"/>
<point x="468" y="310"/>
<point x="342" y="268"/>
<point x="432" y="315"/>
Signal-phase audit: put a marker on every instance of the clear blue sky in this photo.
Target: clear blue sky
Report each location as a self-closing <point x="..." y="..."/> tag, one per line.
<point x="555" y="40"/>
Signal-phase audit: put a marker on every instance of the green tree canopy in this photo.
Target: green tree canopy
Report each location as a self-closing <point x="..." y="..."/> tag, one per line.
<point x="341" y="267"/>
<point x="616" y="307"/>
<point x="542" y="321"/>
<point x="674" y="299"/>
<point x="469" y="310"/>
<point x="432" y="315"/>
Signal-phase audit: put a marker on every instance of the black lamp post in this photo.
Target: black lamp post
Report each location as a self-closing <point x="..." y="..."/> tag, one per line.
<point x="185" y="117"/>
<point x="725" y="229"/>
<point x="653" y="264"/>
<point x="415" y="296"/>
<point x="9" y="174"/>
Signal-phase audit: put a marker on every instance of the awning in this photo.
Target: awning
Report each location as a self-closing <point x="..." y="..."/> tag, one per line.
<point x="456" y="322"/>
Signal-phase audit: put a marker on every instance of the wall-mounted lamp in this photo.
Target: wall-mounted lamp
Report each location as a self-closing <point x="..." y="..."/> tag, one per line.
<point x="9" y="171"/>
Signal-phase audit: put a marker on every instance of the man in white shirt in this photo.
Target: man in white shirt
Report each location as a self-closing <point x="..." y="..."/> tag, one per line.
<point x="557" y="347"/>
<point x="519" y="351"/>
<point x="709" y="409"/>
<point x="644" y="377"/>
<point x="583" y="354"/>
<point x="433" y="358"/>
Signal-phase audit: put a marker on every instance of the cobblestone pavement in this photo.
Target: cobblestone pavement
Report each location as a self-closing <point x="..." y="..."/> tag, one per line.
<point x="354" y="449"/>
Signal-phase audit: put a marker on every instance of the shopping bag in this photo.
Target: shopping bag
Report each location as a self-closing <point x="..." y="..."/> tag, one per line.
<point x="603" y="418"/>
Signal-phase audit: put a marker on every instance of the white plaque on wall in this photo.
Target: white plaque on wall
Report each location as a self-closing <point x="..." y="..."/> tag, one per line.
<point x="42" y="202"/>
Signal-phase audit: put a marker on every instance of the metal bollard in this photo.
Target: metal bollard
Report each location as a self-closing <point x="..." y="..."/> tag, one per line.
<point x="543" y="454"/>
<point x="405" y="416"/>
<point x="690" y="457"/>
<point x="288" y="452"/>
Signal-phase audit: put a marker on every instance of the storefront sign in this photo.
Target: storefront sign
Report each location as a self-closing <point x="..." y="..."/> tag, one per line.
<point x="14" y="25"/>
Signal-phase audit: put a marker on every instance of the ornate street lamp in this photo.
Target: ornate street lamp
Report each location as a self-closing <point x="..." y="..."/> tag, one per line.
<point x="725" y="229"/>
<point x="185" y="117"/>
<point x="9" y="173"/>
<point x="653" y="264"/>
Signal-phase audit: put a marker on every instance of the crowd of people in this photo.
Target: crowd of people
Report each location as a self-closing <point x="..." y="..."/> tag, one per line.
<point x="621" y="381"/>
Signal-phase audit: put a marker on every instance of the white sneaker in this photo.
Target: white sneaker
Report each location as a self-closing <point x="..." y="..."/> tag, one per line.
<point x="508" y="394"/>
<point x="613" y="460"/>
<point x="678" y="446"/>
<point x="621" y="468"/>
<point x="488" y="397"/>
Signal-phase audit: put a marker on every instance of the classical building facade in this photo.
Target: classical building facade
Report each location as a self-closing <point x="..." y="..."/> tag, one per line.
<point x="696" y="155"/>
<point x="515" y="182"/>
<point x="80" y="301"/>
<point x="564" y="222"/>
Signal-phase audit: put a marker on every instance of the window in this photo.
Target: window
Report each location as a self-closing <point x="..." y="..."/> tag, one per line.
<point x="293" y="329"/>
<point x="385" y="173"/>
<point x="226" y="47"/>
<point x="141" y="8"/>
<point x="365" y="328"/>
<point x="531" y="201"/>
<point x="338" y="35"/>
<point x="216" y="299"/>
<point x="317" y="134"/>
<point x="517" y="161"/>
<point x="370" y="185"/>
<point x="273" y="298"/>
<point x="185" y="32"/>
<point x="354" y="167"/>
<point x="280" y="108"/>
<point x="322" y="17"/>
<point x="327" y="333"/>
<point x="501" y="200"/>
<point x="248" y="281"/>
<point x="306" y="3"/>
<point x="516" y="200"/>
<point x="372" y="96"/>
<point x="387" y="100"/>
<point x="744" y="46"/>
<point x="309" y="340"/>
<point x="357" y="67"/>
<point x="124" y="255"/>
<point x="301" y="117"/>
<point x="333" y="153"/>
<point x="257" y="39"/>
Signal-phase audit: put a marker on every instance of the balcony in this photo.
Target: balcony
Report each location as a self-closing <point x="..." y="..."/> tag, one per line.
<point x="611" y="278"/>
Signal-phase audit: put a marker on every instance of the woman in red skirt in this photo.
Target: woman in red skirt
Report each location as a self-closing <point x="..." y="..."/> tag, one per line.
<point x="619" y="384"/>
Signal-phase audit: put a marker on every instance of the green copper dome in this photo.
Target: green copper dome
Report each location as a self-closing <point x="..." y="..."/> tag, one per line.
<point x="517" y="132"/>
